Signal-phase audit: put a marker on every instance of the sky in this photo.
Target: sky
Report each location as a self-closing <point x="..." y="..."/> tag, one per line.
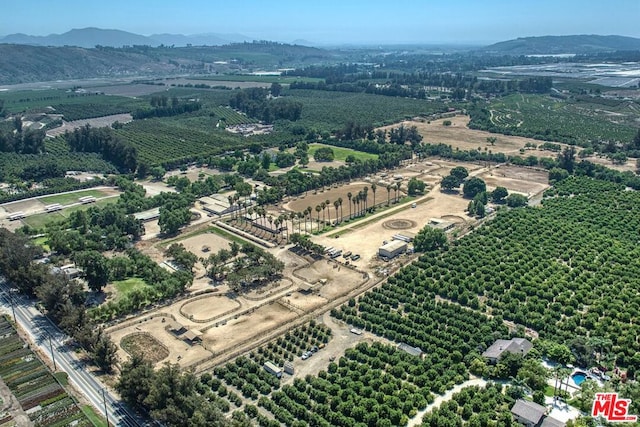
<point x="332" y="21"/>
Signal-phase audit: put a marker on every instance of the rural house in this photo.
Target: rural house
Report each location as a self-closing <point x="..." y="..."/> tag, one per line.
<point x="528" y="413"/>
<point x="514" y="345"/>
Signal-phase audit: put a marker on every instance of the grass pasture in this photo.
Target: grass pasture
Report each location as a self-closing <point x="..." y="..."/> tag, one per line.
<point x="341" y="153"/>
<point x="68" y="198"/>
<point x="125" y="287"/>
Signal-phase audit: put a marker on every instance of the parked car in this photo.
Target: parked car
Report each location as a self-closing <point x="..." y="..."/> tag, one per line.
<point x="355" y="257"/>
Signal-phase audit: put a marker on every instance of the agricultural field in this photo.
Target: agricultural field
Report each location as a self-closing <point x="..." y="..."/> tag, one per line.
<point x="73" y="105"/>
<point x="561" y="269"/>
<point x="33" y="385"/>
<point x="159" y="141"/>
<point x="328" y="111"/>
<point x="579" y="121"/>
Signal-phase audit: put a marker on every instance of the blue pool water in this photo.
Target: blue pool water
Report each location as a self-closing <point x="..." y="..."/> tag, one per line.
<point x="578" y="378"/>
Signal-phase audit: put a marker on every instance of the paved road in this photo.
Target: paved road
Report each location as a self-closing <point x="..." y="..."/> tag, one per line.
<point x="47" y="336"/>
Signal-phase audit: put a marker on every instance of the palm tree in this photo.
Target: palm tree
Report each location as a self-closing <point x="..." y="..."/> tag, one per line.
<point x="354" y="201"/>
<point x="336" y="204"/>
<point x="349" y="195"/>
<point x="323" y="205"/>
<point x="277" y="222"/>
<point x="341" y="213"/>
<point x="230" y="198"/>
<point x="388" y="194"/>
<point x="328" y="204"/>
<point x="318" y="209"/>
<point x="399" y="186"/>
<point x="373" y="189"/>
<point x="395" y="188"/>
<point x="364" y="198"/>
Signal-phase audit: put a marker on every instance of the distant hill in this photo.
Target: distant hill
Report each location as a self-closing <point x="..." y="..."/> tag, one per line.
<point x="27" y="63"/>
<point x="554" y="45"/>
<point x="91" y="37"/>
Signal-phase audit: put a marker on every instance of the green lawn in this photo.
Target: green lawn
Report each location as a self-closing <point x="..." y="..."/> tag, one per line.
<point x="95" y="419"/>
<point x="68" y="198"/>
<point x="42" y="242"/>
<point x="341" y="153"/>
<point x="123" y="287"/>
<point x="40" y="220"/>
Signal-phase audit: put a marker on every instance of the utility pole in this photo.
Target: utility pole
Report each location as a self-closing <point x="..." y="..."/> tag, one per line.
<point x="104" y="400"/>
<point x="53" y="356"/>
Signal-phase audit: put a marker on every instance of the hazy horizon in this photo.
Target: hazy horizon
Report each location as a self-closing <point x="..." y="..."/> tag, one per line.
<point x="333" y="22"/>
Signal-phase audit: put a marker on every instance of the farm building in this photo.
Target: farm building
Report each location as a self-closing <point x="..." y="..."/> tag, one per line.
<point x="414" y="351"/>
<point x="273" y="369"/>
<point x="146" y="216"/>
<point x="441" y="224"/>
<point x="392" y="249"/>
<point x="306" y="288"/>
<point x="217" y="204"/>
<point x="69" y="271"/>
<point x="191" y="336"/>
<point x="514" y="345"/>
<point x="176" y="328"/>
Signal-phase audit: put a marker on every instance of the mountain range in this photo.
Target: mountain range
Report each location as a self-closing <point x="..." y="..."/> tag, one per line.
<point x="91" y="37"/>
<point x="555" y="45"/>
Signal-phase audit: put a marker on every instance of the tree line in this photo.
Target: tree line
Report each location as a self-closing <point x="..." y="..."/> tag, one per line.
<point x="255" y="103"/>
<point x="14" y="138"/>
<point x="63" y="299"/>
<point x="102" y="140"/>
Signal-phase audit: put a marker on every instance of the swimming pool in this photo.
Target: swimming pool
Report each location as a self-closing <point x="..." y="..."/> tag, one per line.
<point x="578" y="378"/>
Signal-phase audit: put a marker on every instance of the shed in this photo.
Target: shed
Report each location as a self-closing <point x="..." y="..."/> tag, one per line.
<point x="441" y="224"/>
<point x="414" y="351"/>
<point x="305" y="287"/>
<point x="176" y="328"/>
<point x="191" y="336"/>
<point x="528" y="413"/>
<point x="148" y="215"/>
<point x="392" y="249"/>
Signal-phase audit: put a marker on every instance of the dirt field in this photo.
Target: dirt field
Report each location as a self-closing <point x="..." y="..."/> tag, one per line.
<point x="209" y="308"/>
<point x="458" y="135"/>
<point x="150" y="348"/>
<point x="516" y="179"/>
<point x="98" y="122"/>
<point x="156" y="327"/>
<point x="300" y="203"/>
<point x="245" y="327"/>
